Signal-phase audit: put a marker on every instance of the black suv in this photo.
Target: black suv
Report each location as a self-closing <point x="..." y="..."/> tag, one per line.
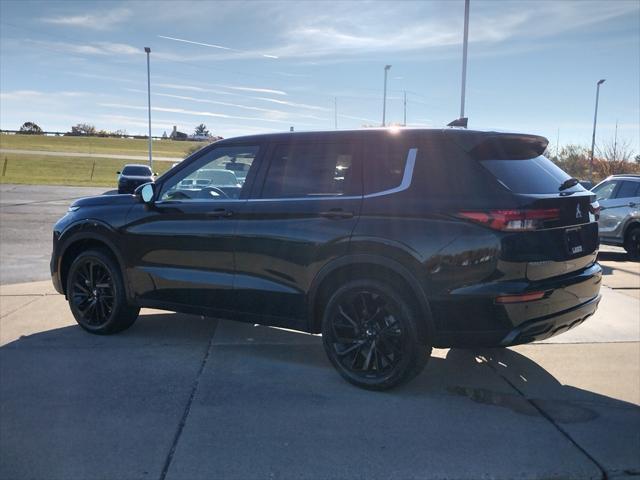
<point x="132" y="176"/>
<point x="387" y="242"/>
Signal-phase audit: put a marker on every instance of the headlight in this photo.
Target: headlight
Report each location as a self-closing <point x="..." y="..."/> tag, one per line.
<point x="73" y="208"/>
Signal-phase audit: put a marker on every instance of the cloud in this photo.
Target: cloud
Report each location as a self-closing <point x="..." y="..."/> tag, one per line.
<point x="36" y="94"/>
<point x="95" y="48"/>
<point x="195" y="43"/>
<point x="291" y="104"/>
<point x="254" y="89"/>
<point x="212" y="45"/>
<point x="197" y="113"/>
<point x="192" y="88"/>
<point x="93" y="21"/>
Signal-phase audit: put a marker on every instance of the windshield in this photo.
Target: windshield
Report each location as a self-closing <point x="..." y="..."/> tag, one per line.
<point x="218" y="177"/>
<point x="533" y="175"/>
<point x="137" y="171"/>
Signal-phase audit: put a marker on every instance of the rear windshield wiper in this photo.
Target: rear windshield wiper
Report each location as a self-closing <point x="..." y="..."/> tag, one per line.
<point x="568" y="183"/>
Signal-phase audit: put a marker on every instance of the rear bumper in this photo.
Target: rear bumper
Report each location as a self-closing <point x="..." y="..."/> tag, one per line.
<point x="470" y="317"/>
<point x="543" y="328"/>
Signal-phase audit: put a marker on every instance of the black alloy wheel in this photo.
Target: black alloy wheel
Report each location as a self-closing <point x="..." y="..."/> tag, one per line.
<point x="93" y="292"/>
<point x="96" y="294"/>
<point x="370" y="336"/>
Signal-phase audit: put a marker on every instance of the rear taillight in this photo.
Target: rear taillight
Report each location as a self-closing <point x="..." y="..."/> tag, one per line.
<point x="513" y="220"/>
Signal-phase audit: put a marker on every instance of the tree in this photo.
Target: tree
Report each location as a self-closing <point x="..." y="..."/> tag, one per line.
<point x="201" y="130"/>
<point x="616" y="150"/>
<point x="30" y="128"/>
<point x="83" y="129"/>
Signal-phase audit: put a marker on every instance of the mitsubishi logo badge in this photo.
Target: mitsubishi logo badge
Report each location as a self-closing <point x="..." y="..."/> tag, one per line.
<point x="578" y="212"/>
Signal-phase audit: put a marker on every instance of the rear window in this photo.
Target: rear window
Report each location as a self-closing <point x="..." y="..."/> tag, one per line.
<point x="533" y="175"/>
<point x="137" y="171"/>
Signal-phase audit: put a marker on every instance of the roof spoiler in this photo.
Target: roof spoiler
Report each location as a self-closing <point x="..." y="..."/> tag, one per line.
<point x="499" y="146"/>
<point x="459" y="122"/>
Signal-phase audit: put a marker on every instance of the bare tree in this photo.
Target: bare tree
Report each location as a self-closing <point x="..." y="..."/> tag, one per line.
<point x="615" y="150"/>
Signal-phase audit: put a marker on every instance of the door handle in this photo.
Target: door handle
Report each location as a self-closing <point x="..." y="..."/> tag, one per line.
<point x="336" y="214"/>
<point x="633" y="204"/>
<point x="220" y="212"/>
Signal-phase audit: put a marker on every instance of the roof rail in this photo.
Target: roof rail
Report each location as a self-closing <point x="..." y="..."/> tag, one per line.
<point x="626" y="175"/>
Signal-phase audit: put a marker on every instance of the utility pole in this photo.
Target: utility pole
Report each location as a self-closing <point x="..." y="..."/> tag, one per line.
<point x="465" y="42"/>
<point x="405" y="109"/>
<point x="615" y="142"/>
<point x="384" y="97"/>
<point x="593" y="137"/>
<point x="335" y="112"/>
<point x="148" y="50"/>
<point x="558" y="145"/>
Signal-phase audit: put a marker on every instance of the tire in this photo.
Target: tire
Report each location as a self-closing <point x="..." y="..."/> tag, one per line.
<point x="96" y="294"/>
<point x="371" y="335"/>
<point x="632" y="242"/>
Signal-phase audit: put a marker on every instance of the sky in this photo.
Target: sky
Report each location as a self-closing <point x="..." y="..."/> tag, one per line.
<point x="243" y="67"/>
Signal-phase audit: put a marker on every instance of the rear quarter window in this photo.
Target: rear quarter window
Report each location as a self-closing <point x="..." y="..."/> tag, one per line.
<point x="628" y="189"/>
<point x="529" y="176"/>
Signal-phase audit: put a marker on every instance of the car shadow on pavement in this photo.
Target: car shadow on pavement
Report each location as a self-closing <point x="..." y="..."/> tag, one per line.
<point x="622" y="257"/>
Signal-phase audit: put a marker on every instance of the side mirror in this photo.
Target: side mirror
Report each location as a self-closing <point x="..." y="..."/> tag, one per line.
<point x="118" y="172"/>
<point x="146" y="192"/>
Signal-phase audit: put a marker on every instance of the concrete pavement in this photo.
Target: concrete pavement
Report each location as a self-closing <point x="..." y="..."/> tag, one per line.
<point x="184" y="397"/>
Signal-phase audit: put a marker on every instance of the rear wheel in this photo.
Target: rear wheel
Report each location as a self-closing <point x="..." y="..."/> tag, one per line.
<point x="632" y="242"/>
<point x="370" y="334"/>
<point x="96" y="294"/>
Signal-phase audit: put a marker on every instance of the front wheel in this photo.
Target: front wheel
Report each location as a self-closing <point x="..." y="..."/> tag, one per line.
<point x="96" y="294"/>
<point x="632" y="242"/>
<point x="370" y="334"/>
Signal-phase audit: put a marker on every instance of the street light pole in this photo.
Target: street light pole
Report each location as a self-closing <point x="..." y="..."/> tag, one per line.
<point x="465" y="42"/>
<point x="593" y="136"/>
<point x="405" y="109"/>
<point x="148" y="51"/>
<point x="335" y="112"/>
<point x="384" y="98"/>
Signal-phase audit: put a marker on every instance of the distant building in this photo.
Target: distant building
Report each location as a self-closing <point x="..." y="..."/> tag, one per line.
<point x="176" y="135"/>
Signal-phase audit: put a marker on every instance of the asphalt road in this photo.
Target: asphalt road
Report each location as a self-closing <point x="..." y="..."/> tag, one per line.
<point x="27" y="215"/>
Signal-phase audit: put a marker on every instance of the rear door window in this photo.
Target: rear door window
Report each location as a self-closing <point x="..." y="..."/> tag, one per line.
<point x="312" y="170"/>
<point x="628" y="189"/>
<point x="533" y="175"/>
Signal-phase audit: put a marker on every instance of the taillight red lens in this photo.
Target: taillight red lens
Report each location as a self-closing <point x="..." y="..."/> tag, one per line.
<point x="513" y="220"/>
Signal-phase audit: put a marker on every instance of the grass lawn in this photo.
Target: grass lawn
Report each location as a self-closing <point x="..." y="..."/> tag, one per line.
<point x="52" y="170"/>
<point x="121" y="146"/>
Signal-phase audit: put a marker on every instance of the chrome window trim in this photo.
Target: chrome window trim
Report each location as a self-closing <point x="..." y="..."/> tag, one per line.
<point x="407" y="178"/>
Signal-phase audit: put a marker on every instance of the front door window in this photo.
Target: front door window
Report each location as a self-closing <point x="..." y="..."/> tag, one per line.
<point x="218" y="175"/>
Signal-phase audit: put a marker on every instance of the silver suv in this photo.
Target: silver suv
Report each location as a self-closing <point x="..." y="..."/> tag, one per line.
<point x="619" y="224"/>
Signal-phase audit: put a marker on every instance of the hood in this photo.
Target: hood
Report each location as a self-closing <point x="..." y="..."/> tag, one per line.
<point x="104" y="199"/>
